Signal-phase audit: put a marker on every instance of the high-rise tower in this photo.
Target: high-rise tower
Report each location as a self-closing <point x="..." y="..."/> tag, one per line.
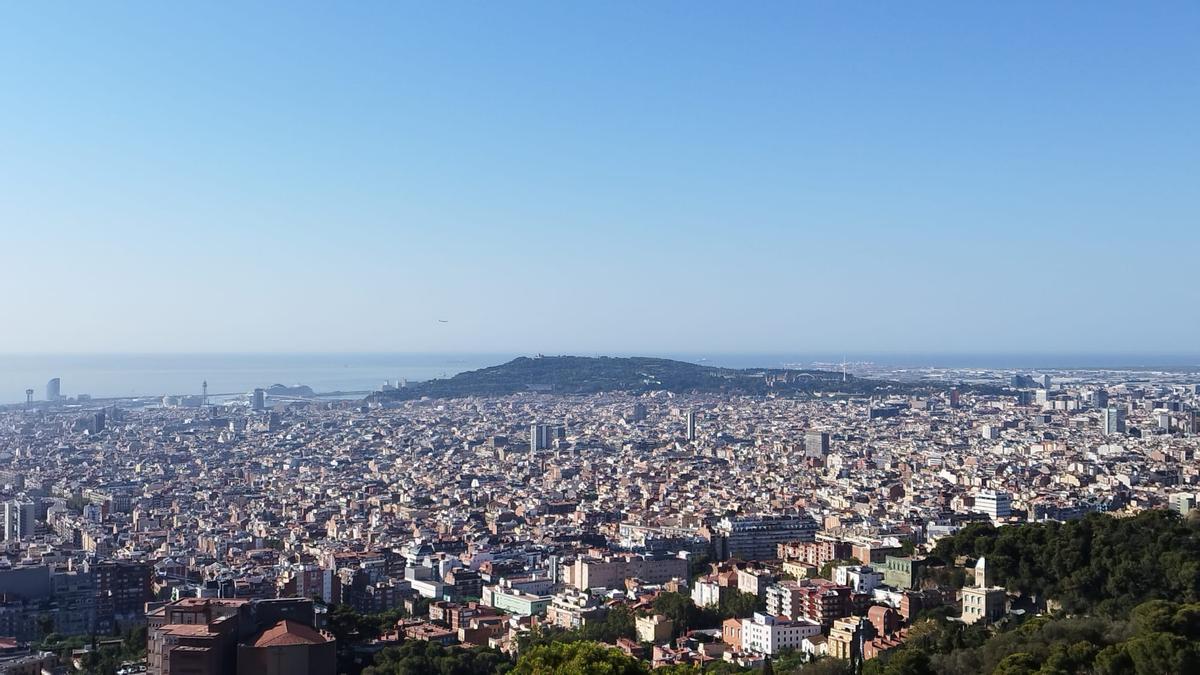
<point x="1113" y="421"/>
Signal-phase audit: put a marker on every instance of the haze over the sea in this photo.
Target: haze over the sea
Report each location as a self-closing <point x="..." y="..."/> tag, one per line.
<point x="122" y="375"/>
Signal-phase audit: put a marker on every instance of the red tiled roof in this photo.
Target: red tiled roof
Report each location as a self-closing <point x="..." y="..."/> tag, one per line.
<point x="286" y="633"/>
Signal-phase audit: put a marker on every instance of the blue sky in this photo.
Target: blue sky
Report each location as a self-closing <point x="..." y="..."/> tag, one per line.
<point x="591" y="177"/>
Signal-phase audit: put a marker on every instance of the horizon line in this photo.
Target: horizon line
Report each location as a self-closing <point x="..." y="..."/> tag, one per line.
<point x="616" y="352"/>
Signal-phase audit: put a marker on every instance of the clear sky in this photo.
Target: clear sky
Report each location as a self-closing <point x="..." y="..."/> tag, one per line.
<point x="589" y="177"/>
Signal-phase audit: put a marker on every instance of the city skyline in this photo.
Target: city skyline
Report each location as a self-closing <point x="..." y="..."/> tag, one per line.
<point x="383" y="338"/>
<point x="617" y="179"/>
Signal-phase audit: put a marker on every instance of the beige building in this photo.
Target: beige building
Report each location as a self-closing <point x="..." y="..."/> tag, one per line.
<point x="842" y="637"/>
<point x="655" y="629"/>
<point x="983" y="603"/>
<point x="612" y="571"/>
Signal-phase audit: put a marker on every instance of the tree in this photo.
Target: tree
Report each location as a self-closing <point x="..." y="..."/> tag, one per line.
<point x="135" y="641"/>
<point x="824" y="666"/>
<point x="1098" y="564"/>
<point x="1020" y="663"/>
<point x="1154" y="616"/>
<point x="618" y="623"/>
<point x="578" y="658"/>
<point x="417" y="657"/>
<point x="789" y="660"/>
<point x="679" y="669"/>
<point x="736" y="604"/>
<point x="348" y="626"/>
<point x="680" y="609"/>
<point x="1162" y="653"/>
<point x="351" y="629"/>
<point x="1069" y="659"/>
<point x="1186" y="621"/>
<point x="1113" y="660"/>
<point x="904" y="661"/>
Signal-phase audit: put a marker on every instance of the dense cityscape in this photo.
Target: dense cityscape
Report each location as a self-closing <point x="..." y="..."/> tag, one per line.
<point x="278" y="532"/>
<point x="599" y="338"/>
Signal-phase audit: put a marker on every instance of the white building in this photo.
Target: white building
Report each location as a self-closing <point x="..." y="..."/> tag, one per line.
<point x="706" y="593"/>
<point x="996" y="504"/>
<point x="771" y="635"/>
<point x="860" y="578"/>
<point x="1182" y="502"/>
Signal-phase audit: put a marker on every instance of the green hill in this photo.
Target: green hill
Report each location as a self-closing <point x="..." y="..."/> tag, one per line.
<point x="585" y="375"/>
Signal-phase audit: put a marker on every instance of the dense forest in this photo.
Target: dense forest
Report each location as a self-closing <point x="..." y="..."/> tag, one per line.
<point x="1099" y="564"/>
<point x="1124" y="595"/>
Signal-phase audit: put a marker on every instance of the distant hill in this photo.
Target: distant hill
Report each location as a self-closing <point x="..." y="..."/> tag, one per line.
<point x="586" y="375"/>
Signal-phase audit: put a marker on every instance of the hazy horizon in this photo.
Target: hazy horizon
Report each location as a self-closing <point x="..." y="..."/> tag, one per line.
<point x="125" y="375"/>
<point x="647" y="353"/>
<point x="618" y="178"/>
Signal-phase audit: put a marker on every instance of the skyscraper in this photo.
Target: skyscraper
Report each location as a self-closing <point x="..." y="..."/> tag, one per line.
<point x="54" y="389"/>
<point x="539" y="436"/>
<point x="691" y="425"/>
<point x="1114" y="421"/>
<point x="18" y="519"/>
<point x="816" y="443"/>
<point x="259" y="400"/>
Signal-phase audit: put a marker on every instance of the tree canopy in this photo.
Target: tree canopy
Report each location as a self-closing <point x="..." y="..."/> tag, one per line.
<point x="1099" y="564"/>
<point x="578" y="658"/>
<point x="417" y="657"/>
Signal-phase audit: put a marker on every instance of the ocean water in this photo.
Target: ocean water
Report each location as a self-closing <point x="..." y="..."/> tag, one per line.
<point x="122" y="375"/>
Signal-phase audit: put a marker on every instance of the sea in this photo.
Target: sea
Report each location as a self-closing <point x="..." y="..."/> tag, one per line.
<point x="134" y="375"/>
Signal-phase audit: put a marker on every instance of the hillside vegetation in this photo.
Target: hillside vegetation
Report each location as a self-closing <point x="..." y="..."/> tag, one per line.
<point x="588" y="375"/>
